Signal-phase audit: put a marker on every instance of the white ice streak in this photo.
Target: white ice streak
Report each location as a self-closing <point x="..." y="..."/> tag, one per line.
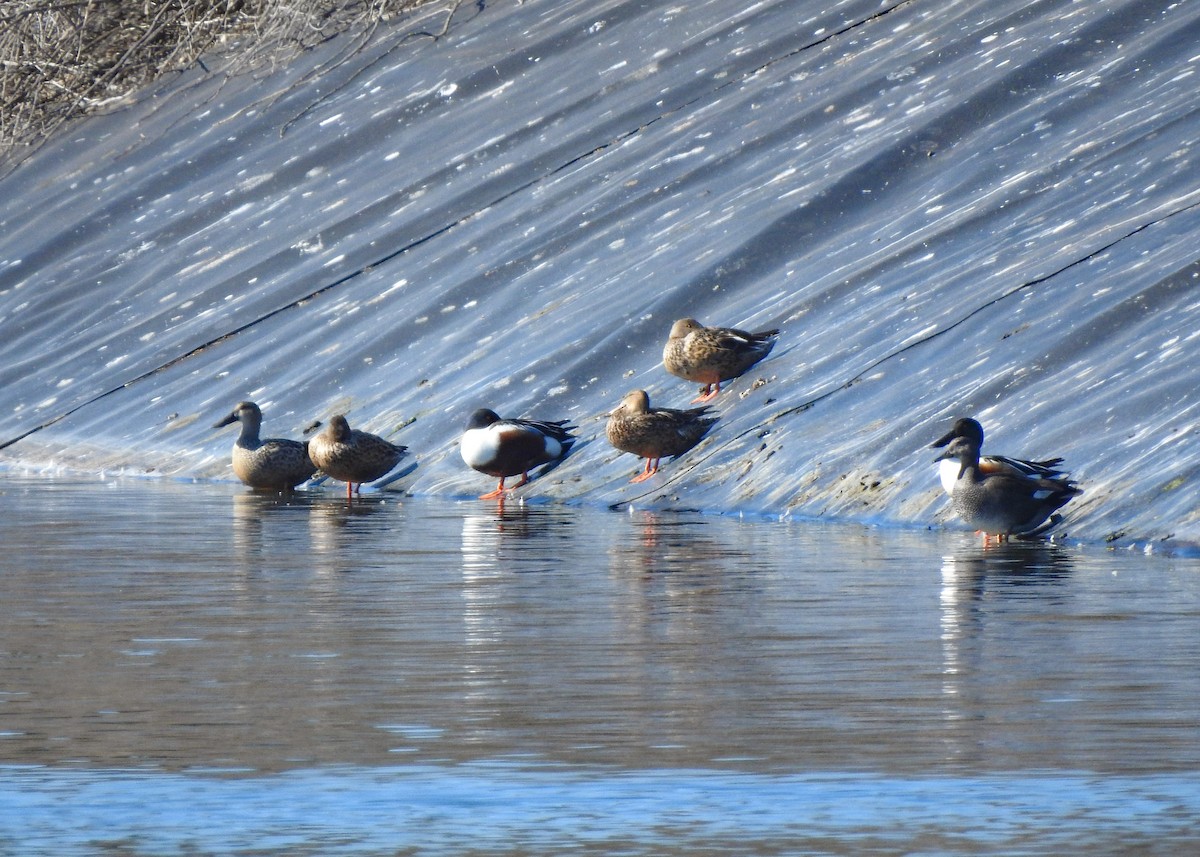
<point x="683" y="155"/>
<point x="251" y="182"/>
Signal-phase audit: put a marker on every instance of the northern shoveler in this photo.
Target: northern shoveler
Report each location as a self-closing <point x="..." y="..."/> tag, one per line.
<point x="274" y="464"/>
<point x="710" y="355"/>
<point x="655" y="433"/>
<point x="506" y="447"/>
<point x="971" y="430"/>
<point x="1000" y="504"/>
<point x="353" y="456"/>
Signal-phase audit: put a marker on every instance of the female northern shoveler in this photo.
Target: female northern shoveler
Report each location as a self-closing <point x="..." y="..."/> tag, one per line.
<point x="274" y="464"/>
<point x="655" y="433"/>
<point x="1000" y="504"/>
<point x="711" y="355"/>
<point x="353" y="456"/>
<point x="506" y="447"/>
<point x="972" y="431"/>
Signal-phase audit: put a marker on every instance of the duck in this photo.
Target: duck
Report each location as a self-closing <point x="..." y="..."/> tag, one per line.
<point x="710" y="355"/>
<point x="271" y="464"/>
<point x="655" y="433"/>
<point x="353" y="456"/>
<point x="1001" y="504"/>
<point x="970" y="429"/>
<point x="505" y="447"/>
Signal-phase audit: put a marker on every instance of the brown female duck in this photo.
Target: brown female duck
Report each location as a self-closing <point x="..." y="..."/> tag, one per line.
<point x="710" y="355"/>
<point x="655" y="433"/>
<point x="353" y="456"/>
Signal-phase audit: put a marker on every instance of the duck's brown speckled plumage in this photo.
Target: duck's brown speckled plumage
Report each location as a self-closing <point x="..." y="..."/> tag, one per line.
<point x="353" y="456"/>
<point x="1000" y="504"/>
<point x="655" y="433"/>
<point x="271" y="464"/>
<point x="710" y="355"/>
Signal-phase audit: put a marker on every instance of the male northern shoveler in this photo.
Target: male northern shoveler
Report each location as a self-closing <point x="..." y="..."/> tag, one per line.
<point x="353" y="456"/>
<point x="972" y="431"/>
<point x="710" y="355"/>
<point x="274" y="464"/>
<point x="506" y="447"/>
<point x="1000" y="504"/>
<point x="655" y="433"/>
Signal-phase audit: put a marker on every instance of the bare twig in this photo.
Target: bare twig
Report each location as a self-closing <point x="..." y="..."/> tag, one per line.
<point x="60" y="59"/>
<point x="363" y="42"/>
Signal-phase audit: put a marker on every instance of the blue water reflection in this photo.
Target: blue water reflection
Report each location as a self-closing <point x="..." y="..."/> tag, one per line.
<point x="506" y="808"/>
<point x="192" y="667"/>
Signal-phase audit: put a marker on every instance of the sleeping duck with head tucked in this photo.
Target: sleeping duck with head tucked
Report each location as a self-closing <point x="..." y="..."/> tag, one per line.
<point x="353" y="456"/>
<point x="655" y="433"/>
<point x="504" y="447"/>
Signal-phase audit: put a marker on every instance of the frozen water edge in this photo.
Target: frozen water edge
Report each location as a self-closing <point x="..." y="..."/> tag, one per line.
<point x="396" y="487"/>
<point x="995" y="233"/>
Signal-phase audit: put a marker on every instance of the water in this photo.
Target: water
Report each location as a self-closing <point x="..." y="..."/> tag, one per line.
<point x="195" y="668"/>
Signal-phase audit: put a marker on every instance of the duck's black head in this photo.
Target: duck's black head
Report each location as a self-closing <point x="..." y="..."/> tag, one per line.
<point x="964" y="427"/>
<point x="482" y="418"/>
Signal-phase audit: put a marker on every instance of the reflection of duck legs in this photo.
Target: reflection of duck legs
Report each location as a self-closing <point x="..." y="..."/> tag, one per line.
<point x="975" y="569"/>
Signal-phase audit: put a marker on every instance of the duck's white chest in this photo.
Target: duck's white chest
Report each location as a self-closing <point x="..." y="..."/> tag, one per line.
<point x="948" y="472"/>
<point x="479" y="447"/>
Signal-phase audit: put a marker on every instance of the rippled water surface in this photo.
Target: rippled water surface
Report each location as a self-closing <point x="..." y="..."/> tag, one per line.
<point x="195" y="668"/>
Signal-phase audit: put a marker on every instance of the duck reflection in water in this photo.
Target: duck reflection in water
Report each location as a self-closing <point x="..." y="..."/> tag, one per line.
<point x="982" y="588"/>
<point x="510" y="535"/>
<point x="261" y="522"/>
<point x="978" y="570"/>
<point x="976" y="580"/>
<point x="336" y="528"/>
<point x="669" y="542"/>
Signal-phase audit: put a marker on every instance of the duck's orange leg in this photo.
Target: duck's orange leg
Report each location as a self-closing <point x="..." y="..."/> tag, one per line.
<point x="708" y="394"/>
<point x="651" y="469"/>
<point x="493" y="495"/>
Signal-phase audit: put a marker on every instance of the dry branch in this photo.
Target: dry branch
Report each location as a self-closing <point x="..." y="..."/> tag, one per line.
<point x="60" y="59"/>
